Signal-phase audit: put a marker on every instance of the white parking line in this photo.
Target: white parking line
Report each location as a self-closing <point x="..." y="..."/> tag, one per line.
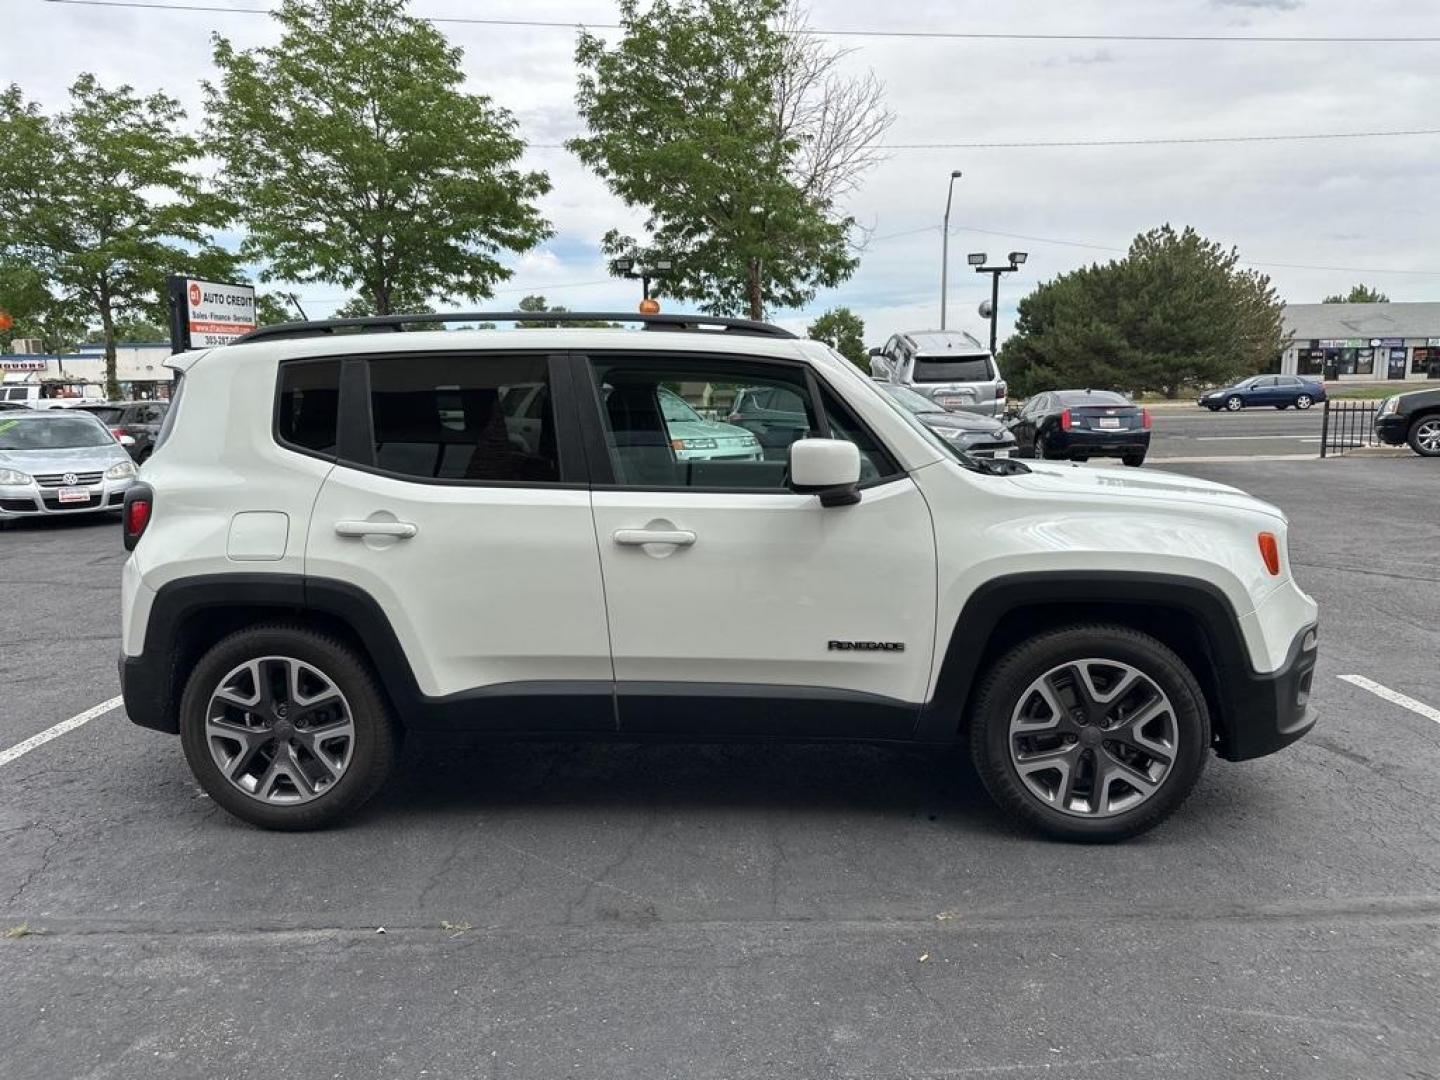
<point x="1419" y="708"/>
<point x="21" y="748"/>
<point x="1253" y="438"/>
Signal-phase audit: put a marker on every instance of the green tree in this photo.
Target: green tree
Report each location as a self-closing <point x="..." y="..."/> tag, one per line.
<point x="737" y="140"/>
<point x="539" y="304"/>
<point x="354" y="157"/>
<point x="1178" y="311"/>
<point x="272" y="308"/>
<point x="843" y="331"/>
<point x="37" y="313"/>
<point x="102" y="200"/>
<point x="131" y="328"/>
<point x="1358" y="294"/>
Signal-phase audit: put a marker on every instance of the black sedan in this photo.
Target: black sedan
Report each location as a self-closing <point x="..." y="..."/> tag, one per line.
<point x="1412" y="418"/>
<point x="1076" y="425"/>
<point x="983" y="436"/>
<point x="140" y="420"/>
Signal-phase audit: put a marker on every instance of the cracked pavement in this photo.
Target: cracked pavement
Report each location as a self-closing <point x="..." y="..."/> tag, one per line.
<point x="734" y="911"/>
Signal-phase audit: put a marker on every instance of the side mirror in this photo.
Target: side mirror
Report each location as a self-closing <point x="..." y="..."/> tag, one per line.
<point x="875" y="350"/>
<point x="127" y="441"/>
<point x="829" y="468"/>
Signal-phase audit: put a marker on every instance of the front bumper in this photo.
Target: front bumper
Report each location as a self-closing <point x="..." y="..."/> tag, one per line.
<point x="32" y="500"/>
<point x="1268" y="712"/>
<point x="1392" y="429"/>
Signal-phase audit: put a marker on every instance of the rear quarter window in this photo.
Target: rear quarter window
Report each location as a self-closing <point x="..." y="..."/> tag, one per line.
<point x="308" y="406"/>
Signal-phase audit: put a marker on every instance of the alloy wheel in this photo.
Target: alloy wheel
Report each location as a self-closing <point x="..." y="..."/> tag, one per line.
<point x="280" y="730"/>
<point x="1303" y="401"/>
<point x="1093" y="738"/>
<point x="1234" y="404"/>
<point x="1427" y="435"/>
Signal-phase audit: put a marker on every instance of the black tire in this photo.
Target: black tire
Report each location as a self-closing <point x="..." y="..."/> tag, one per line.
<point x="1424" y="436"/>
<point x="1282" y="406"/>
<point x="1001" y="693"/>
<point x="1042" y="450"/>
<point x="1304" y="401"/>
<point x="144" y="455"/>
<point x="376" y="739"/>
<point x="1133" y="460"/>
<point x="1023" y="451"/>
<point x="1234" y="403"/>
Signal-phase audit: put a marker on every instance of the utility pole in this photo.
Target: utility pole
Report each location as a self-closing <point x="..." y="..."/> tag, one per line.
<point x="945" y="248"/>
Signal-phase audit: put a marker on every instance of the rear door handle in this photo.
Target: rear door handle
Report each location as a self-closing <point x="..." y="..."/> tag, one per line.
<point x="402" y="529"/>
<point x="636" y="537"/>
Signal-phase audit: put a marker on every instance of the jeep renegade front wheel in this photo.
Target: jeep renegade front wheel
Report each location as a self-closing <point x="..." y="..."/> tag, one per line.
<point x="1091" y="733"/>
<point x="285" y="728"/>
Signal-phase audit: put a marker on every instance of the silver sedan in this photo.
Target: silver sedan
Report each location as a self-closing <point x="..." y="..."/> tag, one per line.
<point x="60" y="462"/>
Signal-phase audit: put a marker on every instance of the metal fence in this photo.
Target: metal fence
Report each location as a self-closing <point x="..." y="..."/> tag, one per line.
<point x="1348" y="425"/>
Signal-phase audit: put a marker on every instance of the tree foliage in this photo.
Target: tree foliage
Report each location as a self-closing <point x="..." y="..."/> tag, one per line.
<point x="37" y="312"/>
<point x="102" y="202"/>
<point x="1358" y="294"/>
<point x="737" y="140"/>
<point x="843" y="331"/>
<point x="539" y="304"/>
<point x="1177" y="311"/>
<point x="354" y="157"/>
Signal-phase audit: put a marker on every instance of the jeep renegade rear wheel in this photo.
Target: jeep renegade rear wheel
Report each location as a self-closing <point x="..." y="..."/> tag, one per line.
<point x="1091" y="733"/>
<point x="285" y="728"/>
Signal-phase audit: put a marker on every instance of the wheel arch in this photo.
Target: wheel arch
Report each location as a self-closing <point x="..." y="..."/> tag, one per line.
<point x="1191" y="616"/>
<point x="190" y="615"/>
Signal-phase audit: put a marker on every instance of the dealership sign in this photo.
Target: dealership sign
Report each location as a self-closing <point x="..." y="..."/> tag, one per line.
<point x="207" y="313"/>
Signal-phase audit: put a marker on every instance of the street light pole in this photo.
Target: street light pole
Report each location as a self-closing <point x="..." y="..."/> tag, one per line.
<point x="945" y="248"/>
<point x="978" y="260"/>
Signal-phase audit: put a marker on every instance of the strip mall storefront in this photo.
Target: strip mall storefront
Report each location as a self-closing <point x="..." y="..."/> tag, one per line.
<point x="1367" y="360"/>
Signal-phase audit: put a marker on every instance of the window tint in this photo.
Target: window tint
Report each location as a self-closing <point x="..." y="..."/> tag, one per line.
<point x="486" y="419"/>
<point x="718" y="426"/>
<point x="953" y="369"/>
<point x="875" y="463"/>
<point x="309" y="404"/>
<point x="1091" y="397"/>
<point x="106" y="414"/>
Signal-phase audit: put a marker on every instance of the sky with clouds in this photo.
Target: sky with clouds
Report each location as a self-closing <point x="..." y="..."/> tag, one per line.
<point x="1363" y="208"/>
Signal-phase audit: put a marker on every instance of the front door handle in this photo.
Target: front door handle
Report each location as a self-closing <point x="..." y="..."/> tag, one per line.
<point x="636" y="537"/>
<point x="400" y="529"/>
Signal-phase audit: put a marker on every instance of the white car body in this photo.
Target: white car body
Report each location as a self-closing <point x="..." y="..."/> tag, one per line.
<point x="504" y="592"/>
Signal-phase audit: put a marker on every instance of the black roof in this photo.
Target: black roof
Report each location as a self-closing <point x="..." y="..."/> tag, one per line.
<point x="376" y="323"/>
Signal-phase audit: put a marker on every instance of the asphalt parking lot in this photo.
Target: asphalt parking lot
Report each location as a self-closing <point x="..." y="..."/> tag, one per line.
<point x="565" y="910"/>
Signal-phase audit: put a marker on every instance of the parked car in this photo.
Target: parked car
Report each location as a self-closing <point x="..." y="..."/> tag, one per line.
<point x="1077" y="425"/>
<point x="983" y="436"/>
<point x="693" y="438"/>
<point x="140" y="420"/>
<point x="1279" y="391"/>
<point x="948" y="366"/>
<point x="12" y="405"/>
<point x="324" y="555"/>
<point x="775" y="415"/>
<point x="60" y="463"/>
<point x="39" y="393"/>
<point x="1412" y="418"/>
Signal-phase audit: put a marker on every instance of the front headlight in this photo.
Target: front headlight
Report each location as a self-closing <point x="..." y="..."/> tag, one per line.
<point x="695" y="444"/>
<point x="11" y="477"/>
<point x="121" y="470"/>
<point x="1389" y="405"/>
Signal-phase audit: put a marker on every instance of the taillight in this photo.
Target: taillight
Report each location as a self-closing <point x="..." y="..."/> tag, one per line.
<point x="1065" y="420"/>
<point x="139" y="504"/>
<point x="1145" y="419"/>
<point x="118" y="431"/>
<point x="1270" y="553"/>
<point x="1000" y="389"/>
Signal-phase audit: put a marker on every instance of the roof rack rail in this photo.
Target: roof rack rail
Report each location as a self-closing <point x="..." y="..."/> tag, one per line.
<point x="701" y="323"/>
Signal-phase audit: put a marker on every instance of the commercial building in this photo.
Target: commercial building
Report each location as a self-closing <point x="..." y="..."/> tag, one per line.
<point x="1363" y="342"/>
<point x="139" y="366"/>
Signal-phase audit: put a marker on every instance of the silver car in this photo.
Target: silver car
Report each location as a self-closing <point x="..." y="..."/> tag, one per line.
<point x="949" y="367"/>
<point x="60" y="462"/>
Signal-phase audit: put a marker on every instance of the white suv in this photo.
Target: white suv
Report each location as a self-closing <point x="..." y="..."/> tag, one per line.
<point x="344" y="536"/>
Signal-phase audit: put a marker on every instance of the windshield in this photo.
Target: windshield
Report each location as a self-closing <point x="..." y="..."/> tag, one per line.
<point x="916" y="403"/>
<point x="1091" y="397"/>
<point x="953" y="369"/>
<point x="106" y="414"/>
<point x="52" y="433"/>
<point x="675" y="409"/>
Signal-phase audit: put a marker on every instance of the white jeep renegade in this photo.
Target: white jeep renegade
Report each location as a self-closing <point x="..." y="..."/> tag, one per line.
<point x="347" y="533"/>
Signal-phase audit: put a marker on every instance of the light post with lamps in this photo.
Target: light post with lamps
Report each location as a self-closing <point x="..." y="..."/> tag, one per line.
<point x="630" y="268"/>
<point x="945" y="247"/>
<point x="978" y="259"/>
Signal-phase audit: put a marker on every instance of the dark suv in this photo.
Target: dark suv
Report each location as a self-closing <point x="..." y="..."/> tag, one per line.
<point x="1412" y="418"/>
<point x="140" y="420"/>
